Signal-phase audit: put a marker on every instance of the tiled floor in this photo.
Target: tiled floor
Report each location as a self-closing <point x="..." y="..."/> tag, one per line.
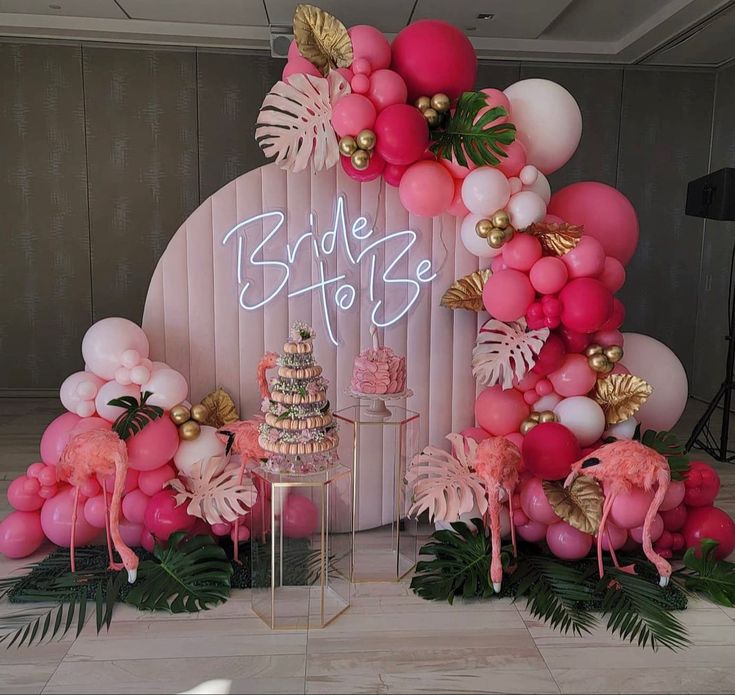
<point x="389" y="641"/>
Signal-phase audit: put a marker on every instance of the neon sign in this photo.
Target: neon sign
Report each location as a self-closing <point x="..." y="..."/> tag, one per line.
<point x="338" y="290"/>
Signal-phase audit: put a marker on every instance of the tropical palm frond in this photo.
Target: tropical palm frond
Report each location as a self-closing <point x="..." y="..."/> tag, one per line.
<point x="706" y="575"/>
<point x="668" y="444"/>
<point x="136" y="416"/>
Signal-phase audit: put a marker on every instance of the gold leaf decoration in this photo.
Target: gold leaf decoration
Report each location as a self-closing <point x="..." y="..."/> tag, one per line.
<point x="621" y="395"/>
<point x="466" y="293"/>
<point x="220" y="408"/>
<point x="556" y="238"/>
<point x="322" y="39"/>
<point x="580" y="505"/>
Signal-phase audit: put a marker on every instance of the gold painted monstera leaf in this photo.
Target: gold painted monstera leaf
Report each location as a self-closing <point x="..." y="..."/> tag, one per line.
<point x="621" y="395"/>
<point x="556" y="239"/>
<point x="466" y="293"/>
<point x="322" y="39"/>
<point x="580" y="505"/>
<point x="220" y="408"/>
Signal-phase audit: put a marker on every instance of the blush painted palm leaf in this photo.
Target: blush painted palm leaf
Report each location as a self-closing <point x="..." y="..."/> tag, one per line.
<point x="445" y="484"/>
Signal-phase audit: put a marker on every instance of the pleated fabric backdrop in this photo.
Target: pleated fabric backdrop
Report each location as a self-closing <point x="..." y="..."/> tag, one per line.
<point x="195" y="323"/>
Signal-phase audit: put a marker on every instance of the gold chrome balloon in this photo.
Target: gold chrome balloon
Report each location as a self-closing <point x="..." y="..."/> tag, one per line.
<point x="199" y="412"/>
<point x="360" y="160"/>
<point x="508" y="233"/>
<point x="432" y="117"/>
<point x="440" y="102"/>
<point x="496" y="238"/>
<point x="347" y="146"/>
<point x="534" y="416"/>
<point x="614" y="353"/>
<point x="365" y="139"/>
<point x="423" y="103"/>
<point x="547" y="416"/>
<point x="600" y="363"/>
<point x="180" y="414"/>
<point x="527" y="426"/>
<point x="500" y="219"/>
<point x="593" y="349"/>
<point x="483" y="228"/>
<point x="189" y="430"/>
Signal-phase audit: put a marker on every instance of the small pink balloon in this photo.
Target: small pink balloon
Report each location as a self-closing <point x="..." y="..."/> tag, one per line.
<point x="607" y="338"/>
<point x="298" y="65"/>
<point x="131" y="481"/>
<point x="56" y="436"/>
<point x="629" y="509"/>
<point x="525" y="208"/>
<point x="346" y="73"/>
<point x="48" y="491"/>
<point x="566" y="542"/>
<point x="134" y="505"/>
<point x="31" y="486"/>
<point x="94" y="511"/>
<point x="35" y="469"/>
<point x="498" y="264"/>
<point x="360" y="84"/>
<point x="520" y="518"/>
<point x="147" y="540"/>
<point x="90" y="488"/>
<point x="533" y="531"/>
<point x="476" y="433"/>
<point x="674" y="495"/>
<point x="513" y="163"/>
<point x="153" y="446"/>
<point x="535" y="504"/>
<point x="402" y="134"/>
<point x="48" y="476"/>
<point x="361" y="66"/>
<point x="544" y="387"/>
<point x="393" y="173"/>
<point x="370" y="44"/>
<point x="574" y="378"/>
<point x="375" y="167"/>
<point x="531" y="397"/>
<point x="77" y="390"/>
<point x="499" y="411"/>
<point x="243" y="533"/>
<point x="515" y="438"/>
<point x="151" y="482"/>
<point x="613" y="274"/>
<point x="22" y="498"/>
<point x="122" y="376"/>
<point x="522" y="252"/>
<point x="386" y="87"/>
<point x="614" y="536"/>
<point x="221" y="529"/>
<point x="20" y="534"/>
<point x="508" y="294"/>
<point x="130" y="358"/>
<point x="528" y="382"/>
<point x="586" y="259"/>
<point x="426" y="189"/>
<point x="657" y="528"/>
<point x="56" y="515"/>
<point x="140" y="374"/>
<point x="131" y="533"/>
<point x="457" y="206"/>
<point x="300" y="516"/>
<point x="353" y="113"/>
<point x="515" y="185"/>
<point x="163" y="517"/>
<point x="86" y="409"/>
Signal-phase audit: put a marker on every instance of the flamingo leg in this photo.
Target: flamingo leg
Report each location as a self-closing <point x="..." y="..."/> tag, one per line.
<point x="613" y="554"/>
<point x="74" y="529"/>
<point x="602" y="530"/>
<point x="236" y="539"/>
<point x="107" y="528"/>
<point x="496" y="567"/>
<point x="512" y="525"/>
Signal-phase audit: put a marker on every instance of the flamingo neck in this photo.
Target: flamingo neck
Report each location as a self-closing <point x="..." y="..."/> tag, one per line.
<point x="128" y="557"/>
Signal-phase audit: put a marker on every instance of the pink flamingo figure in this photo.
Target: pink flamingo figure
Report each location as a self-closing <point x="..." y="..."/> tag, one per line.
<point x="623" y="465"/>
<point x="99" y="453"/>
<point x="268" y="361"/>
<point x="497" y="462"/>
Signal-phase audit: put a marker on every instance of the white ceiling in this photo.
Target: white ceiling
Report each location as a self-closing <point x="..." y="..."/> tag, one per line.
<point x="660" y="32"/>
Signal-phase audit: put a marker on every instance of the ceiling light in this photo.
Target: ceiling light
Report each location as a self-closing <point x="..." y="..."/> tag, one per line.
<point x="485" y="15"/>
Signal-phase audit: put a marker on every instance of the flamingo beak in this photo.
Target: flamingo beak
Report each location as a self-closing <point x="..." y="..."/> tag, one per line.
<point x="663" y="581"/>
<point x="496" y="587"/>
<point x="132" y="575"/>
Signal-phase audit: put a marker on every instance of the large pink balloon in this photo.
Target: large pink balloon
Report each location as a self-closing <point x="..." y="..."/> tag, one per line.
<point x="605" y="213"/>
<point x="151" y="482"/>
<point x="586" y="259"/>
<point x="23" y="494"/>
<point x="353" y="113"/>
<point x="369" y="43"/>
<point x="548" y="122"/>
<point x="500" y="412"/>
<point x="587" y="305"/>
<point x="386" y="88"/>
<point x="169" y="388"/>
<point x="651" y="360"/>
<point x="105" y="342"/>
<point x="535" y="504"/>
<point x="56" y="436"/>
<point x="154" y="445"/>
<point x="434" y="57"/>
<point x="574" y="377"/>
<point x="629" y="509"/>
<point x="485" y="190"/>
<point x="20" y="534"/>
<point x="110" y="391"/>
<point x="56" y="516"/>
<point x="401" y="133"/>
<point x="508" y="294"/>
<point x="566" y="542"/>
<point x="300" y="516"/>
<point x="657" y="528"/>
<point x="163" y="517"/>
<point x="426" y="189"/>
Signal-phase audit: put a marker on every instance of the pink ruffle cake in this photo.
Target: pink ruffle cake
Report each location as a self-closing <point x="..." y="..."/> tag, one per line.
<point x="379" y="370"/>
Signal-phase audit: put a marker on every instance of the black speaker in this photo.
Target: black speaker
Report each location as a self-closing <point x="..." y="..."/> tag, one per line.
<point x="712" y="196"/>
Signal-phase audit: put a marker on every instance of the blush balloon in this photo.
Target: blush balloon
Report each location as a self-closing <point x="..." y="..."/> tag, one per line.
<point x="566" y="542"/>
<point x="485" y="190"/>
<point x="586" y="259"/>
<point x="574" y="377"/>
<point x="629" y="509"/>
<point x="583" y="417"/>
<point x="710" y="522"/>
<point x="525" y="208"/>
<point x="21" y="534"/>
<point x="56" y="436"/>
<point x="163" y="517"/>
<point x="402" y="134"/>
<point x="110" y="391"/>
<point x="206" y="445"/>
<point x="549" y="450"/>
<point x="535" y="504"/>
<point x="548" y="275"/>
<point x="473" y="243"/>
<point x="105" y="342"/>
<point x="508" y="294"/>
<point x="587" y="303"/>
<point x="151" y="482"/>
<point x="56" y="516"/>
<point x="153" y="446"/>
<point x="426" y="189"/>
<point x="499" y="411"/>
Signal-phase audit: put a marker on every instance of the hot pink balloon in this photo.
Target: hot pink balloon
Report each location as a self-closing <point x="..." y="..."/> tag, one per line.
<point x="56" y="516"/>
<point x="508" y="294"/>
<point x="566" y="542"/>
<point x="522" y="252"/>
<point x="24" y="498"/>
<point x="369" y="43"/>
<point x="386" y="87"/>
<point x="548" y="275"/>
<point x="573" y="340"/>
<point x="94" y="511"/>
<point x="134" y="505"/>
<point x="151" y="482"/>
<point x="574" y="377"/>
<point x="299" y="65"/>
<point x="613" y="274"/>
<point x="551" y="357"/>
<point x="535" y="504"/>
<point x="605" y="213"/>
<point x="629" y="509"/>
<point x="515" y="160"/>
<point x="586" y="259"/>
<point x="588" y="304"/>
<point x="402" y="134"/>
<point x="147" y="540"/>
<point x="525" y="208"/>
<point x="153" y="446"/>
<point x="657" y="528"/>
<point x="499" y="411"/>
<point x="293" y="50"/>
<point x="353" y="113"/>
<point x="674" y="519"/>
<point x="374" y="169"/>
<point x="614" y="536"/>
<point x="163" y="517"/>
<point x="533" y="531"/>
<point x="674" y="495"/>
<point x="56" y="436"/>
<point x="426" y="189"/>
<point x="20" y="534"/>
<point x="168" y="388"/>
<point x="110" y="391"/>
<point x="300" y="516"/>
<point x="105" y="342"/>
<point x="616" y="317"/>
<point x="607" y="338"/>
<point x="485" y="190"/>
<point x="393" y="173"/>
<point x="457" y="206"/>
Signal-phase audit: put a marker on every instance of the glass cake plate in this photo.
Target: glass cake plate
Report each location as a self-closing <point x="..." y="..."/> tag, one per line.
<point x="377" y="407"/>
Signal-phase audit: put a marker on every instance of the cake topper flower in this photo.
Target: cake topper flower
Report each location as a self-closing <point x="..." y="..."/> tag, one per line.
<point x="301" y="331"/>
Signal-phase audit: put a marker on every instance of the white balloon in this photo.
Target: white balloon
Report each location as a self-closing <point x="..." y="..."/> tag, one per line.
<point x="167" y="386"/>
<point x="473" y="243"/>
<point x="548" y="122"/>
<point x="485" y="190"/>
<point x="106" y="341"/>
<point x="547" y="402"/>
<point x="541" y="187"/>
<point x="205" y="445"/>
<point x="583" y="417"/>
<point x="622" y="430"/>
<point x="110" y="391"/>
<point x="528" y="175"/>
<point x="525" y="208"/>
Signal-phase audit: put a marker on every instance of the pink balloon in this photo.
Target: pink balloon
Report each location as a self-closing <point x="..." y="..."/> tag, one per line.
<point x="131" y="481"/>
<point x="674" y="519"/>
<point x="243" y="534"/>
<point x="605" y="213"/>
<point x="299" y="65"/>
<point x="515" y="160"/>
<point x="370" y="43"/>
<point x="131" y="533"/>
<point x="31" y="486"/>
<point x="110" y="391"/>
<point x="221" y="529"/>
<point x="533" y="531"/>
<point x="457" y="206"/>
<point x="616" y="317"/>
<point x="607" y="338"/>
<point x="353" y="113"/>
<point x="134" y="505"/>
<point x="674" y="495"/>
<point x="162" y="516"/>
<point x="346" y="73"/>
<point x="77" y="392"/>
<point x="293" y="50"/>
<point x="56" y="436"/>
<point x="393" y="173"/>
<point x="629" y="509"/>
<point x="531" y="397"/>
<point x="151" y="482"/>
<point x="566" y="542"/>
<point x="515" y="438"/>
<point x="535" y="504"/>
<point x="573" y="341"/>
<point x="522" y="252"/>
<point x="168" y="388"/>
<point x="544" y="387"/>
<point x="386" y="88"/>
<point x="500" y="412"/>
<point x="94" y="511"/>
<point x="614" y="536"/>
<point x="426" y="189"/>
<point x="574" y="377"/>
<point x="153" y="446"/>
<point x="374" y="169"/>
<point x="48" y="491"/>
<point x="147" y="540"/>
<point x="508" y="294"/>
<point x="23" y="498"/>
<point x="657" y="528"/>
<point x="105" y="342"/>
<point x="35" y="469"/>
<point x="485" y="190"/>
<point x="362" y="66"/>
<point x="20" y="534"/>
<point x="528" y="382"/>
<point x="613" y="273"/>
<point x="434" y="57"/>
<point x="525" y="208"/>
<point x="588" y="304"/>
<point x="401" y="133"/>
<point x="495" y="98"/>
<point x="586" y="259"/>
<point x="90" y="488"/>
<point x="548" y="275"/>
<point x="360" y="84"/>
<point x="476" y="433"/>
<point x="300" y="516"/>
<point x="56" y="516"/>
<point x="551" y="357"/>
